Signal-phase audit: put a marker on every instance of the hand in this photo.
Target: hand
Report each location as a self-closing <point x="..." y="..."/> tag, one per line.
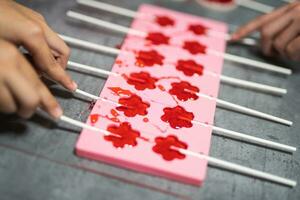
<point x="23" y="26"/>
<point x="21" y="90"/>
<point x="280" y="31"/>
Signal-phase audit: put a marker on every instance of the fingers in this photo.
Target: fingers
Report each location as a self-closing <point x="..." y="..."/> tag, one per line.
<point x="35" y="42"/>
<point x="7" y="102"/>
<point x="21" y="90"/>
<point x="30" y="30"/>
<point x="271" y="30"/>
<point x="46" y="99"/>
<point x="58" y="47"/>
<point x="293" y="49"/>
<point x="25" y="96"/>
<point x="286" y="36"/>
<point x="257" y="23"/>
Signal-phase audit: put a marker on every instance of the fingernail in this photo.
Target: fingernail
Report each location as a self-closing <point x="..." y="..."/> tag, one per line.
<point x="233" y="37"/>
<point x="74" y="85"/>
<point x="57" y="112"/>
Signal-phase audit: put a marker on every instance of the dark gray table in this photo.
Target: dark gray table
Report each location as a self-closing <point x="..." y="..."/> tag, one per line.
<point x="37" y="159"/>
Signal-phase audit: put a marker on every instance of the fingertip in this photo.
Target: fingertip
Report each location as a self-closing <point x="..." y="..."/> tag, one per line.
<point x="234" y="37"/>
<point x="73" y="86"/>
<point x="57" y="112"/>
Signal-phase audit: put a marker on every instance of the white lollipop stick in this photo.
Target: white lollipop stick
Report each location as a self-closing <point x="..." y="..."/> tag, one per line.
<point x="90" y="46"/>
<point x="122" y="29"/>
<point x="247" y="138"/>
<point x="220" y="103"/>
<point x="240" y="169"/>
<point x="228" y="105"/>
<point x="82" y="125"/>
<point x="217" y="34"/>
<point x="211" y="160"/>
<point x="253" y="85"/>
<point x="250" y="62"/>
<point x="105" y="24"/>
<point x="224" y="79"/>
<point x="111" y="8"/>
<point x="254" y="5"/>
<point x="86" y="94"/>
<point x="134" y="14"/>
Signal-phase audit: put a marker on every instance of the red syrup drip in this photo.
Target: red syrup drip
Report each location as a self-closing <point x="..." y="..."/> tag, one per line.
<point x="164" y="21"/>
<point x="146" y="120"/>
<point x="119" y="63"/>
<point x="162" y="88"/>
<point x="177" y="117"/>
<point x="142" y="80"/>
<point x="194" y="47"/>
<point x="148" y="58"/>
<point x="198" y="29"/>
<point x="184" y="91"/>
<point x="114" y="113"/>
<point x="123" y="134"/>
<point x="94" y="118"/>
<point x="133" y="105"/>
<point x="189" y="67"/>
<point x="157" y="38"/>
<point x="164" y="145"/>
<point x="119" y="91"/>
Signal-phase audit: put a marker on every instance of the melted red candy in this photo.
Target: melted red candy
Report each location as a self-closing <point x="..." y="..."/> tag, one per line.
<point x="164" y="145"/>
<point x="164" y="21"/>
<point x="114" y="113"/>
<point x="94" y="118"/>
<point x="149" y="58"/>
<point x="122" y="135"/>
<point x="177" y="117"/>
<point x="194" y="47"/>
<point x="142" y="81"/>
<point x="133" y="105"/>
<point x="184" y="91"/>
<point x="198" y="29"/>
<point x="189" y="67"/>
<point x="119" y="91"/>
<point x="161" y="87"/>
<point x="158" y="38"/>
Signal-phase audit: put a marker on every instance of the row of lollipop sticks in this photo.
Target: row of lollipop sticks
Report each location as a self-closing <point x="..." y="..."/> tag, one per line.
<point x="257" y="6"/>
<point x="221" y="103"/>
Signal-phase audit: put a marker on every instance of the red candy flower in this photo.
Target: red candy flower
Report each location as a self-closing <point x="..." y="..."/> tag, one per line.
<point x="158" y="38"/>
<point x="184" y="91"/>
<point x="198" y="29"/>
<point x="194" y="47"/>
<point x="177" y="117"/>
<point x="133" y="105"/>
<point x="164" y="145"/>
<point x="122" y="135"/>
<point x="149" y="58"/>
<point x="142" y="81"/>
<point x="164" y="21"/>
<point x="189" y="67"/>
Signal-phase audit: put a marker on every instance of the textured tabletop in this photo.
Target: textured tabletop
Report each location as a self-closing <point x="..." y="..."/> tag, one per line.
<point x="37" y="159"/>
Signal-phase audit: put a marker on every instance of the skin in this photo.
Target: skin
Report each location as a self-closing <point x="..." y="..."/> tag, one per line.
<point x="21" y="90"/>
<point x="279" y="30"/>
